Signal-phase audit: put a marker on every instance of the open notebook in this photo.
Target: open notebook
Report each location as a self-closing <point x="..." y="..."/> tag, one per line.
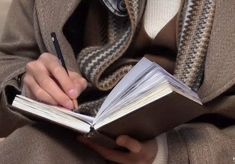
<point x="145" y="103"/>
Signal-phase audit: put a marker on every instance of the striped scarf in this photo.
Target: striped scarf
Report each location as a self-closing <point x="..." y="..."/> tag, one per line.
<point x="195" y="23"/>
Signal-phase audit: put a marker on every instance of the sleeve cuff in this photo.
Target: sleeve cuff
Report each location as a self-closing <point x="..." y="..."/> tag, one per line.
<point x="162" y="154"/>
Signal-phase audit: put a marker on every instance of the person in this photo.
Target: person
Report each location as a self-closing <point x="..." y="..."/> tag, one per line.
<point x="99" y="48"/>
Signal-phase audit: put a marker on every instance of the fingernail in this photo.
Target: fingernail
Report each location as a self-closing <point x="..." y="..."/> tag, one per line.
<point x="69" y="104"/>
<point x="73" y="93"/>
<point x="120" y="141"/>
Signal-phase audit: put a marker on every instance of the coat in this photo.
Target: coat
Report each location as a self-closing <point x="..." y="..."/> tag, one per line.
<point x="27" y="35"/>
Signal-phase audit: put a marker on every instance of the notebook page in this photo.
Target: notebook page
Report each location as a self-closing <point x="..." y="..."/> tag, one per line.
<point x="140" y="89"/>
<point x="143" y="66"/>
<point x="51" y="114"/>
<point x="85" y="118"/>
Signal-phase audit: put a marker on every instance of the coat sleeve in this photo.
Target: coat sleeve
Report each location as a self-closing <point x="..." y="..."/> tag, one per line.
<point x="17" y="47"/>
<point x="201" y="143"/>
<point x="214" y="141"/>
<point x="208" y="139"/>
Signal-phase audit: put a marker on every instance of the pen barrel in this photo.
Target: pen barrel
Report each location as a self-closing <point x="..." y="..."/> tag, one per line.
<point x="58" y="50"/>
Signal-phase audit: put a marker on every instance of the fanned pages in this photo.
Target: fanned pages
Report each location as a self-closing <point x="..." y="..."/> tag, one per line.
<point x="146" y="96"/>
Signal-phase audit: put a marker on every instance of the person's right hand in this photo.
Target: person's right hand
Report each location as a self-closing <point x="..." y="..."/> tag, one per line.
<point x="46" y="80"/>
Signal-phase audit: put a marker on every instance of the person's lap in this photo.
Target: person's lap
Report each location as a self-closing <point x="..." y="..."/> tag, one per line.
<point x="45" y="144"/>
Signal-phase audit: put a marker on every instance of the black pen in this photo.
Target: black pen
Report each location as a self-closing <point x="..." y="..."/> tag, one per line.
<point x="61" y="58"/>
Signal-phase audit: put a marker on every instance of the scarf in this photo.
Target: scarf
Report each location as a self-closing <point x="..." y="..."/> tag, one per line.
<point x="95" y="63"/>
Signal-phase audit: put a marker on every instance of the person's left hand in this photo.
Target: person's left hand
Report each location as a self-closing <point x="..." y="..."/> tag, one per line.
<point x="138" y="153"/>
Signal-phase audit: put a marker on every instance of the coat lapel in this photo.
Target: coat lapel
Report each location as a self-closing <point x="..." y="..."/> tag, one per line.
<point x="220" y="61"/>
<point x="52" y="15"/>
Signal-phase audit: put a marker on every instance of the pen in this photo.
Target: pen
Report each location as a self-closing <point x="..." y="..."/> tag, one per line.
<point x="61" y="58"/>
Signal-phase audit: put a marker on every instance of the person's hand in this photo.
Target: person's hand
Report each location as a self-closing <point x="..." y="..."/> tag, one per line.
<point x="46" y="80"/>
<point x="138" y="153"/>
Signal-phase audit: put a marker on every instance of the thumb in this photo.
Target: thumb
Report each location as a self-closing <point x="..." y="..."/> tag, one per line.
<point x="129" y="143"/>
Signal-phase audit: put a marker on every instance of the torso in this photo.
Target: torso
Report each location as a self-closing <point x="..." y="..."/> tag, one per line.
<point x="162" y="48"/>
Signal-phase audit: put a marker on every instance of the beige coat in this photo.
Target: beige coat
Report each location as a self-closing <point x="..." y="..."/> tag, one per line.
<point x="27" y="35"/>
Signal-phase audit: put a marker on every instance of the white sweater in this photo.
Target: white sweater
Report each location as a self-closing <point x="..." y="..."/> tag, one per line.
<point x="157" y="15"/>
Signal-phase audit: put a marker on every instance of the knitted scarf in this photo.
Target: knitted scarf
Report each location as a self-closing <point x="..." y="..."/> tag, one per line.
<point x="195" y="23"/>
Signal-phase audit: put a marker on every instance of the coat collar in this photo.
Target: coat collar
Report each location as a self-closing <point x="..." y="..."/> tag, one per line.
<point x="52" y="15"/>
<point x="220" y="60"/>
<point x="219" y="69"/>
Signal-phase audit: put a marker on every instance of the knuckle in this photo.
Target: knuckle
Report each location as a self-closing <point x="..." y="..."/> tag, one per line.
<point x="46" y="57"/>
<point x="30" y="65"/>
<point x="56" y="70"/>
<point x="35" y="66"/>
<point x="44" y="82"/>
<point x="62" y="99"/>
<point x="38" y="93"/>
<point x="39" y="65"/>
<point x="43" y="56"/>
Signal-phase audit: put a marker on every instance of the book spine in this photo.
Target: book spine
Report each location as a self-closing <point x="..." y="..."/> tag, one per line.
<point x="92" y="132"/>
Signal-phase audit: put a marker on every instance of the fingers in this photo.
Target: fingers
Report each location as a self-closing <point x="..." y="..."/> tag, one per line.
<point x="49" y="82"/>
<point x="54" y="90"/>
<point x="40" y="75"/>
<point x="139" y="152"/>
<point x="129" y="143"/>
<point x="53" y="66"/>
<point x="37" y="91"/>
<point x="109" y="154"/>
<point x="78" y="81"/>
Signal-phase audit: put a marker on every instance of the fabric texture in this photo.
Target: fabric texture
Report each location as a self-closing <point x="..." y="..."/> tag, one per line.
<point x="5" y="4"/>
<point x="25" y="43"/>
<point x="195" y="23"/>
<point x="94" y="61"/>
<point x="45" y="144"/>
<point x="162" y="150"/>
<point x="158" y="14"/>
<point x="203" y="143"/>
